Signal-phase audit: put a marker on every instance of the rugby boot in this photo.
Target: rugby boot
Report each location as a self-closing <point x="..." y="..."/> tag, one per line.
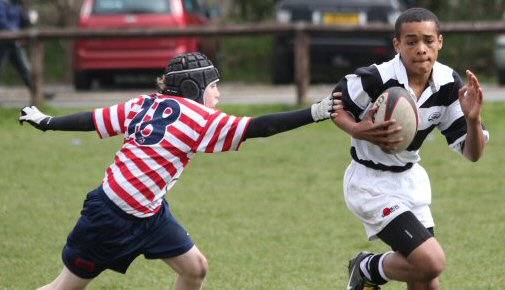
<point x="358" y="281"/>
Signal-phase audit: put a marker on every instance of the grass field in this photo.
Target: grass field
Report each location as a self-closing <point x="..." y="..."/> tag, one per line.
<point x="269" y="217"/>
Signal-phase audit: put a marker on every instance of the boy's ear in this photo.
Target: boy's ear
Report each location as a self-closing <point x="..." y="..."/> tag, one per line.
<point x="440" y="41"/>
<point x="396" y="44"/>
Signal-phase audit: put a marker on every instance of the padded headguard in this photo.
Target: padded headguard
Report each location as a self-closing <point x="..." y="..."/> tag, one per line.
<point x="188" y="75"/>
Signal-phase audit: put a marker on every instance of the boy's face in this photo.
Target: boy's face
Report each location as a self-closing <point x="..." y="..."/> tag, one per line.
<point x="418" y="46"/>
<point x="211" y="95"/>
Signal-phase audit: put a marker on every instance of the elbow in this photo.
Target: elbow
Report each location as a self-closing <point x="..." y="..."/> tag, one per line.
<point x="474" y="157"/>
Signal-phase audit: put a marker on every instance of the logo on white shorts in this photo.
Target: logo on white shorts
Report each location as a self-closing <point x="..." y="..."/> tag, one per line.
<point x="389" y="210"/>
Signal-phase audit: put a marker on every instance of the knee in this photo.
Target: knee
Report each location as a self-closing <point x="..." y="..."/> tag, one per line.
<point x="431" y="266"/>
<point x="199" y="269"/>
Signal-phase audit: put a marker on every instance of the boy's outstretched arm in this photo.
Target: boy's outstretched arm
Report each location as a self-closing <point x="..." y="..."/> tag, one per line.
<point x="471" y="100"/>
<point x="82" y="121"/>
<point x="271" y="124"/>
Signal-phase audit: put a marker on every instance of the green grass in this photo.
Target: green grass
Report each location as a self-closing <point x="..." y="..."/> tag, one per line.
<point x="271" y="216"/>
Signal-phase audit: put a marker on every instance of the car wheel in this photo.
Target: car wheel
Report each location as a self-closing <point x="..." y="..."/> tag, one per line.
<point x="82" y="81"/>
<point x="107" y="81"/>
<point x="501" y="77"/>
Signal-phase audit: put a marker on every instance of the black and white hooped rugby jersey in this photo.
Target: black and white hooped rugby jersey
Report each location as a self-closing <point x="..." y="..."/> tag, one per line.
<point x="438" y="107"/>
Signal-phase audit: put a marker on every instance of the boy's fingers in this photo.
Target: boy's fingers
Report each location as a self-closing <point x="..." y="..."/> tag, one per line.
<point x="337" y="107"/>
<point x="385" y="124"/>
<point x="336" y="95"/>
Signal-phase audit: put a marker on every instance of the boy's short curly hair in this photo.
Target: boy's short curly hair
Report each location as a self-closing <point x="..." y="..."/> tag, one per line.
<point x="415" y="14"/>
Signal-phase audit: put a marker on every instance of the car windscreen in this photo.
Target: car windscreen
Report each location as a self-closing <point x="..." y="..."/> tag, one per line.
<point x="192" y="6"/>
<point x="108" y="7"/>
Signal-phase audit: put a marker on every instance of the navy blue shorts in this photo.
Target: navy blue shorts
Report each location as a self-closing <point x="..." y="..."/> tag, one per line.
<point x="105" y="237"/>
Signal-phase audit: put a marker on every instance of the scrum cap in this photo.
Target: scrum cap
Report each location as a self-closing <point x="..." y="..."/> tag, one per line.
<point x="188" y="75"/>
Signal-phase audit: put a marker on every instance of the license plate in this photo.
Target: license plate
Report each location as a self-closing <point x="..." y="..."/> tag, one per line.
<point x="342" y="19"/>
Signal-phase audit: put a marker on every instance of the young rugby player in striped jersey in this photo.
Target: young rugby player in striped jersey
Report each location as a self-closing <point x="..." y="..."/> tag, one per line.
<point x="390" y="193"/>
<point x="127" y="216"/>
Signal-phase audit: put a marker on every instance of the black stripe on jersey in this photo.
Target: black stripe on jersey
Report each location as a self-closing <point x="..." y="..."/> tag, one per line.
<point x="419" y="138"/>
<point x="456" y="130"/>
<point x="389" y="84"/>
<point x="446" y="95"/>
<point x="348" y="104"/>
<point x="371" y="81"/>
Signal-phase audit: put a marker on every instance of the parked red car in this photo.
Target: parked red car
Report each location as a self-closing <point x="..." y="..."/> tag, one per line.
<point x="104" y="58"/>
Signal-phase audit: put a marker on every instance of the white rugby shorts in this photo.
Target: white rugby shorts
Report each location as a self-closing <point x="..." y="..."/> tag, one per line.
<point x="376" y="197"/>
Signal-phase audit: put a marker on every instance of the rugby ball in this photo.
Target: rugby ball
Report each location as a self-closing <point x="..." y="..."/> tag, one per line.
<point x="398" y="104"/>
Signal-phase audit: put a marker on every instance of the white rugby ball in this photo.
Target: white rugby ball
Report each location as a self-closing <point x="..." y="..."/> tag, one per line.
<point x="398" y="104"/>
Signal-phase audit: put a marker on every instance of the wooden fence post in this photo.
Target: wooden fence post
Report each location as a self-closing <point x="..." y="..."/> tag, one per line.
<point x="37" y="95"/>
<point x="302" y="63"/>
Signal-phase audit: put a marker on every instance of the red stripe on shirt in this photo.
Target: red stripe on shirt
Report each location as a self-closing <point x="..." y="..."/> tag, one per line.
<point x="190" y="123"/>
<point x="107" y="122"/>
<point x="205" y="129"/>
<point x="160" y="160"/>
<point x="231" y="134"/>
<point x="125" y="196"/>
<point x="160" y="182"/>
<point x="133" y="180"/>
<point x="182" y="136"/>
<point x="121" y="116"/>
<point x="183" y="156"/>
<point x="217" y="132"/>
<point x="194" y="107"/>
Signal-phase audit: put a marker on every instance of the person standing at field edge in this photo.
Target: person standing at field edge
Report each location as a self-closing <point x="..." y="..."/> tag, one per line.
<point x="390" y="193"/>
<point x="13" y="17"/>
<point x="127" y="215"/>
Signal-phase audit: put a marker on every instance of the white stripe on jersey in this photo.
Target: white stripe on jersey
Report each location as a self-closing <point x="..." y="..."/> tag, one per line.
<point x="425" y="113"/>
<point x="177" y="143"/>
<point x="239" y="133"/>
<point x="188" y="131"/>
<point x="138" y="173"/>
<point x="451" y="113"/>
<point x="128" y="187"/>
<point x="149" y="161"/>
<point x="116" y="199"/>
<point x="391" y="70"/>
<point x="199" y="119"/>
<point x="100" y="123"/>
<point x="356" y="92"/>
<point x="223" y="133"/>
<point x="211" y="131"/>
<point x="115" y="119"/>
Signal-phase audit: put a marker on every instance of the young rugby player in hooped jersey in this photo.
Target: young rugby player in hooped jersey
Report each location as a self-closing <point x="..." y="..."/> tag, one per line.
<point x="127" y="216"/>
<point x="390" y="193"/>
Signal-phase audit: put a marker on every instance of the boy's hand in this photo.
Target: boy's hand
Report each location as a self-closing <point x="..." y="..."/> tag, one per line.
<point x="471" y="98"/>
<point x="35" y="117"/>
<point x="379" y="134"/>
<point x="325" y="108"/>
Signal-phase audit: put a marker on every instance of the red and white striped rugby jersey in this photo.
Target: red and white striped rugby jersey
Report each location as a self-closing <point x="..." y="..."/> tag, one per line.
<point x="161" y="134"/>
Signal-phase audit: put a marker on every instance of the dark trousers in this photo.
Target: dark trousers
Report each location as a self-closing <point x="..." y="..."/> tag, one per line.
<point x="16" y="53"/>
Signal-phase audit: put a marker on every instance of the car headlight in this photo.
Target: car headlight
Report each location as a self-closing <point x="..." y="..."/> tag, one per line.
<point x="283" y="16"/>
<point x="317" y="17"/>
